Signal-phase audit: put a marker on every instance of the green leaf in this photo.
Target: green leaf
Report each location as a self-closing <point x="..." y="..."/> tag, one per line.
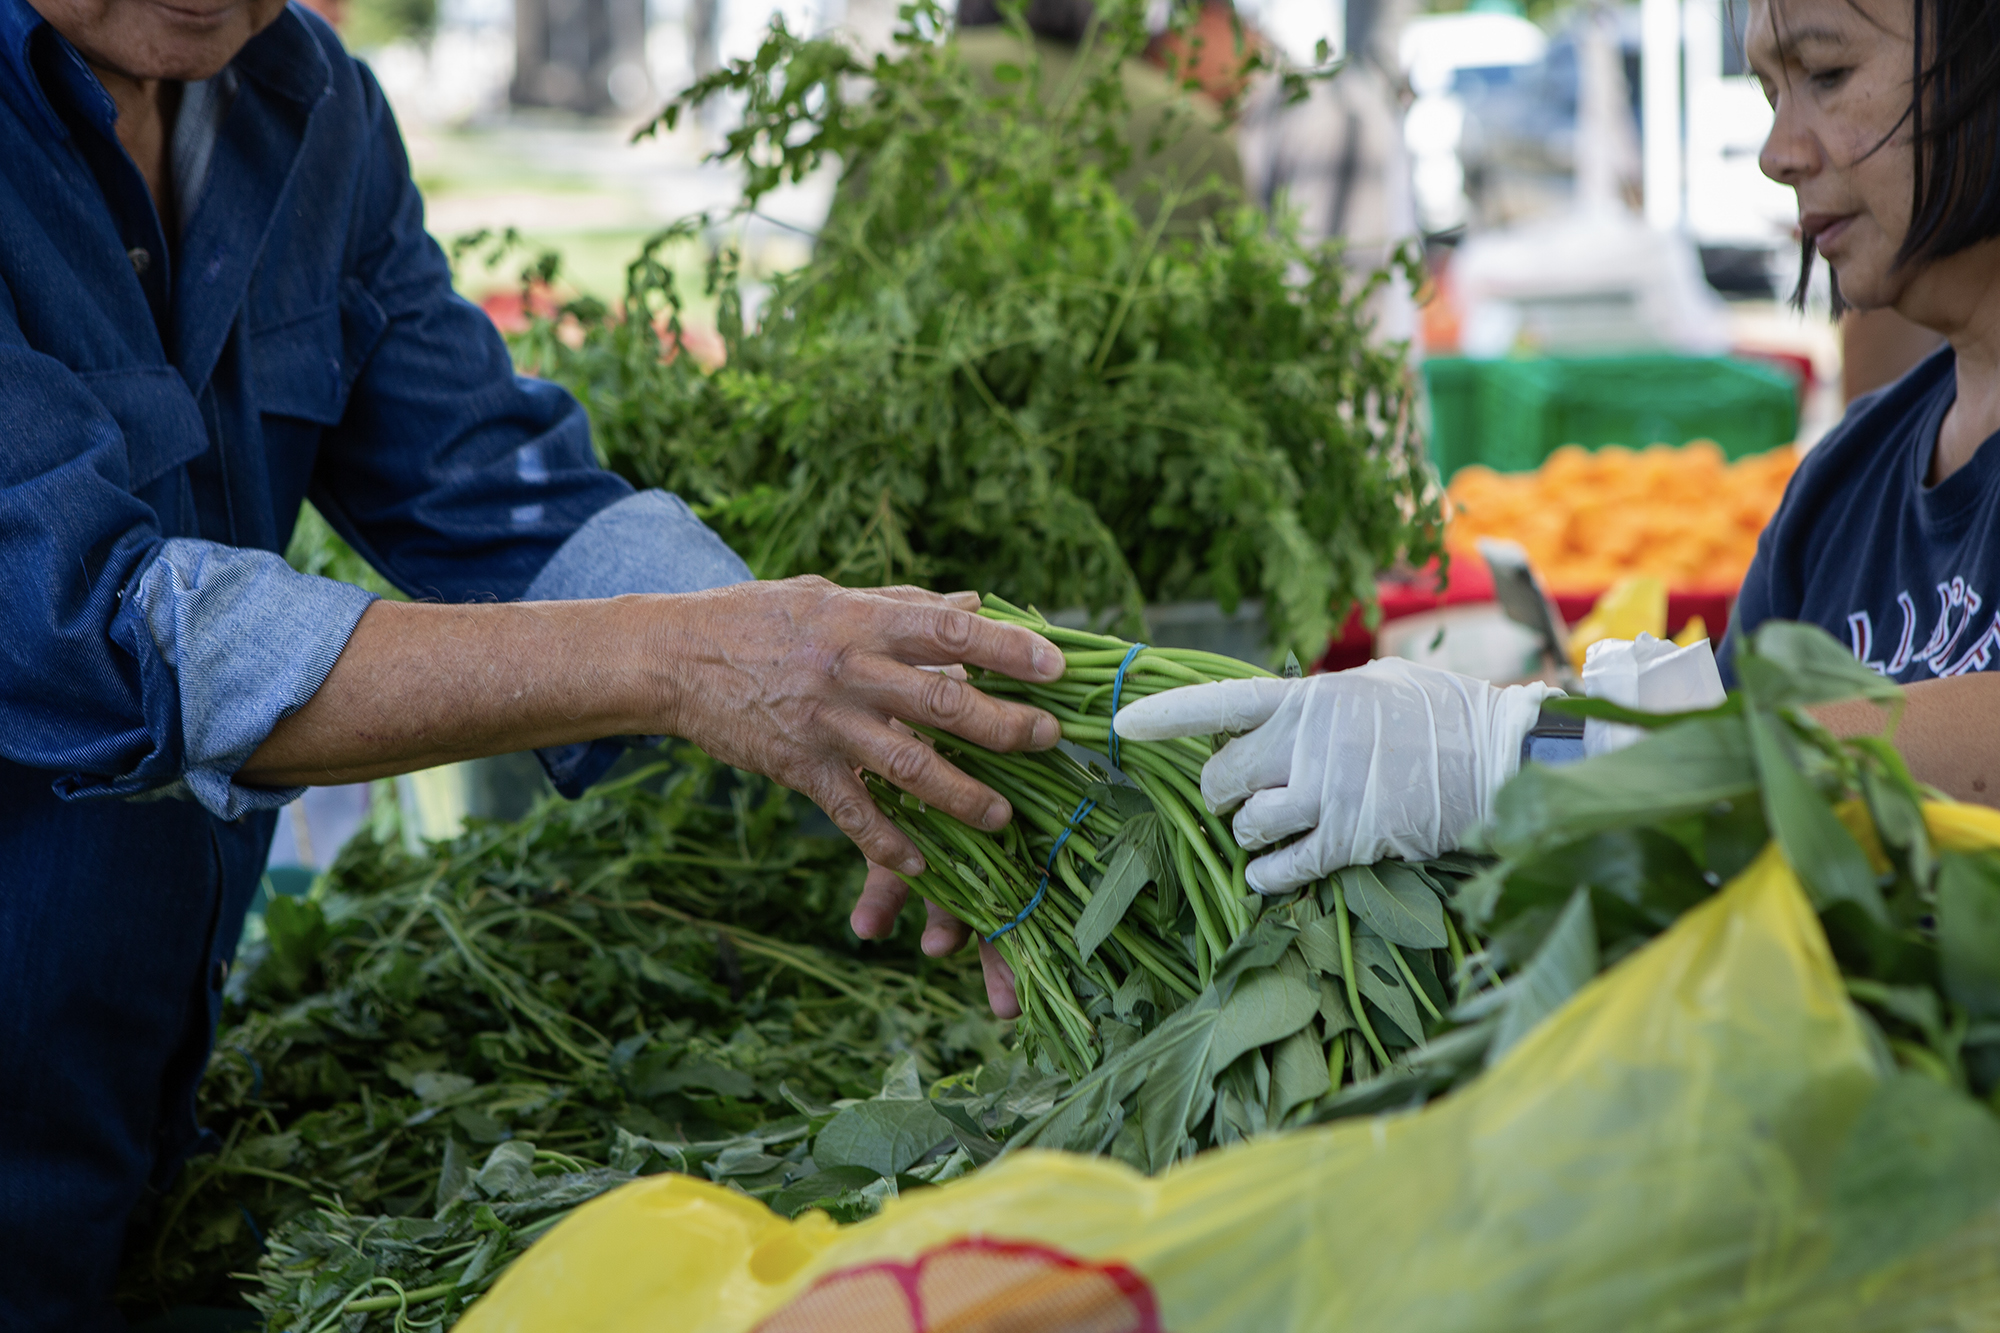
<point x="1786" y="664"/>
<point x="884" y="1136"/>
<point x="901" y="1082"/>
<point x="1178" y="1086"/>
<point x="1968" y="931"/>
<point x="1681" y="770"/>
<point x="1116" y="889"/>
<point x="1645" y="870"/>
<point x="1319" y="942"/>
<point x="1260" y="946"/>
<point x="1299" y="1074"/>
<point x="1129" y="802"/>
<point x="820" y="1188"/>
<point x="1267" y="1005"/>
<point x="1381" y="983"/>
<point x="1821" y="851"/>
<point x="1177" y="1098"/>
<point x="1566" y="961"/>
<point x="1921" y="1161"/>
<point x="1731" y="836"/>
<point x="1894" y="803"/>
<point x="1334" y="1014"/>
<point x="1396" y="904"/>
<point x="1606" y="711"/>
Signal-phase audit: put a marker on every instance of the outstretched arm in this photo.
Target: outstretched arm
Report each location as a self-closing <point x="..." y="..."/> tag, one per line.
<point x="799" y="680"/>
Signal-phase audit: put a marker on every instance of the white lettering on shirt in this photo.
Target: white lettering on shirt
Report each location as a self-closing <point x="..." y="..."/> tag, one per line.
<point x="1958" y="608"/>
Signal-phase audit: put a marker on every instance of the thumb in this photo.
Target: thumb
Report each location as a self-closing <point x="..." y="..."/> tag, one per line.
<point x="1201" y="710"/>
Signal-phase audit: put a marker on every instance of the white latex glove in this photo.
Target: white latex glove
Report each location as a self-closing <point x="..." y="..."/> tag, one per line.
<point x="1389" y="759"/>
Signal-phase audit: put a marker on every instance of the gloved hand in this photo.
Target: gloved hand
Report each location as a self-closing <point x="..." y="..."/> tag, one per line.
<point x="1389" y="759"/>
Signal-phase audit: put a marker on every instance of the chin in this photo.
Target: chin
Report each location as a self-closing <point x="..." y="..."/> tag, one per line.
<point x="1866" y="286"/>
<point x="150" y="40"/>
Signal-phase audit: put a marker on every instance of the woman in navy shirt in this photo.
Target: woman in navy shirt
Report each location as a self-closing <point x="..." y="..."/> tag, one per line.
<point x="1888" y="127"/>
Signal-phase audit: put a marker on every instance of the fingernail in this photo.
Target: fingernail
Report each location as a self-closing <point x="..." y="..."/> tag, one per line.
<point x="1047" y="732"/>
<point x="912" y="865"/>
<point x="996" y="816"/>
<point x="1048" y="662"/>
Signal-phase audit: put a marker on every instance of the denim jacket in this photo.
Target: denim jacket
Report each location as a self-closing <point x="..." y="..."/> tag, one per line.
<point x="170" y="390"/>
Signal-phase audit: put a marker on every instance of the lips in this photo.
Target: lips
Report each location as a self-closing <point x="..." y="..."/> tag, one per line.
<point x="198" y="15"/>
<point x="1826" y="229"/>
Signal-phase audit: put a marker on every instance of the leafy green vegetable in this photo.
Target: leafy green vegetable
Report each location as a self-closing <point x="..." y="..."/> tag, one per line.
<point x="993" y="375"/>
<point x="657" y="977"/>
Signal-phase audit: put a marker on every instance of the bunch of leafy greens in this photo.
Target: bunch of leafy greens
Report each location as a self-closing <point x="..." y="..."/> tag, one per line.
<point x="1193" y="1014"/>
<point x="995" y="373"/>
<point x="435" y="1055"/>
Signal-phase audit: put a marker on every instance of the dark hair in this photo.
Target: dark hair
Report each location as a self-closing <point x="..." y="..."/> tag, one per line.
<point x="1059" y="20"/>
<point x="1954" y="123"/>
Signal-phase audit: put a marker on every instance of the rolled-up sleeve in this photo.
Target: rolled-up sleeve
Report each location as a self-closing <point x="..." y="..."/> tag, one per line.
<point x="131" y="663"/>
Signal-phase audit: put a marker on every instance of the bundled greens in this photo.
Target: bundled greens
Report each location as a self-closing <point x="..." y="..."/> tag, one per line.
<point x="1386" y="985"/>
<point x="993" y="374"/>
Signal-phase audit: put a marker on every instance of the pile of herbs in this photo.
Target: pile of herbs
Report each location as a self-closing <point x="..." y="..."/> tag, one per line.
<point x="436" y="1055"/>
<point x="994" y="372"/>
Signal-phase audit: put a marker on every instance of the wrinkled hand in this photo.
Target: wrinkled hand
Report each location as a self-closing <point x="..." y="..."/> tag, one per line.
<point x="881" y="902"/>
<point x="1389" y="759"/>
<point x="802" y="681"/>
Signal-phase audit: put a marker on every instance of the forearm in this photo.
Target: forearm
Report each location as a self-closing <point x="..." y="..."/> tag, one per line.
<point x="420" y="685"/>
<point x="1949" y="734"/>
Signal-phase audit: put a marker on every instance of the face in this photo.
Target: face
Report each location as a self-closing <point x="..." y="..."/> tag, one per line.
<point x="1837" y="72"/>
<point x="158" y="39"/>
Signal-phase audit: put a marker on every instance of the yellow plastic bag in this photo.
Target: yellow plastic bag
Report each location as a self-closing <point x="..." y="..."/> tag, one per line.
<point x="1703" y="1138"/>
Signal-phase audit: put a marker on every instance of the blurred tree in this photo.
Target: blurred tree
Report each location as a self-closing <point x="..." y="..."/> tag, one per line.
<point x="371" y="24"/>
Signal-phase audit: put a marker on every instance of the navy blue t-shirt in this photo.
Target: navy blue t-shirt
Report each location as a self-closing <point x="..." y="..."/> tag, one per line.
<point x="1907" y="575"/>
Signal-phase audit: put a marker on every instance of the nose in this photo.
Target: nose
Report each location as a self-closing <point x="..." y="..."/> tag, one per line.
<point x="1790" y="154"/>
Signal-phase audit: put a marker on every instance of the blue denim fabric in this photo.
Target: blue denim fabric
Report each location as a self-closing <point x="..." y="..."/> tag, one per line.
<point x="247" y="640"/>
<point x="649" y="542"/>
<point x="163" y="410"/>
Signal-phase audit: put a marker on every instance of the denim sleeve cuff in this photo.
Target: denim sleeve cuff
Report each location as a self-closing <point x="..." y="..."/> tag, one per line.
<point x="246" y="640"/>
<point x="649" y="542"/>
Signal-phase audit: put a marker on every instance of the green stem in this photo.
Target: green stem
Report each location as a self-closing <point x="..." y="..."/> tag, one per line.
<point x="1348" y="975"/>
<point x="1423" y="996"/>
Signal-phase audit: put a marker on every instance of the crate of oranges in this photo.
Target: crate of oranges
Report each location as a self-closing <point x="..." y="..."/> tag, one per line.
<point x="1589" y="518"/>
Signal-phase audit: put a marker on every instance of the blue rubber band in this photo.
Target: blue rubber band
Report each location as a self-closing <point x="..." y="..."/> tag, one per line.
<point x="1042" y="890"/>
<point x="255" y="1230"/>
<point x="1117" y="688"/>
<point x="256" y="1072"/>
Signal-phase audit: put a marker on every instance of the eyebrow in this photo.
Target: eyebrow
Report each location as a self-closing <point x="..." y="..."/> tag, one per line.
<point x="1790" y="39"/>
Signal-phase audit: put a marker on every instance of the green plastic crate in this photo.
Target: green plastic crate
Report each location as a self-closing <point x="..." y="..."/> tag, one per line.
<point x="1512" y="414"/>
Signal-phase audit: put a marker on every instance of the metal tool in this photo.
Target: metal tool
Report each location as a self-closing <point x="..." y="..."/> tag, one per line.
<point x="1526" y="602"/>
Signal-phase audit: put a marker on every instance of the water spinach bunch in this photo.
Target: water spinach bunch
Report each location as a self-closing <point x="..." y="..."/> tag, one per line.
<point x="1118" y="898"/>
<point x="1387" y="985"/>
